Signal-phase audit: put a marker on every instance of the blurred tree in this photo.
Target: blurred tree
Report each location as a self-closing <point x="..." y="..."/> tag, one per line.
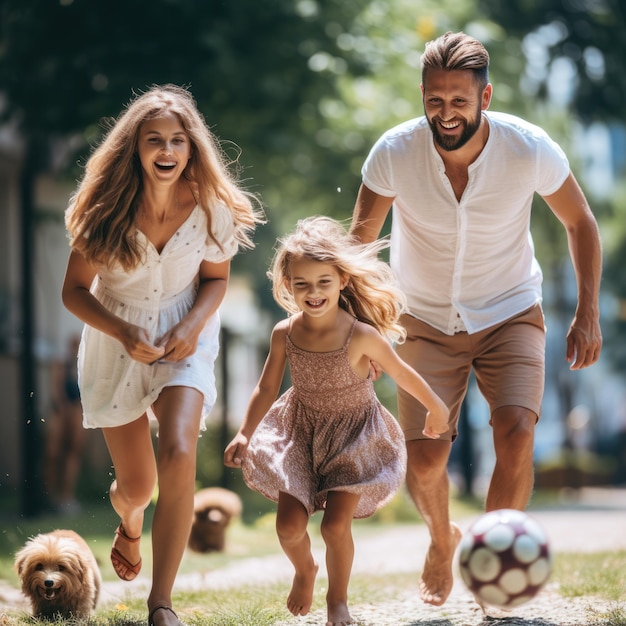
<point x="574" y="50"/>
<point x="251" y="65"/>
<point x="257" y="70"/>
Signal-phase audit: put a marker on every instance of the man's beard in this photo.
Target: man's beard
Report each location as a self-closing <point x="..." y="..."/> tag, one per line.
<point x="449" y="143"/>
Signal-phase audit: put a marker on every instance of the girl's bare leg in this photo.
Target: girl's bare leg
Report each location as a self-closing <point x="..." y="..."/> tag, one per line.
<point x="291" y="523"/>
<point x="132" y="454"/>
<point x="178" y="411"/>
<point x="337" y="535"/>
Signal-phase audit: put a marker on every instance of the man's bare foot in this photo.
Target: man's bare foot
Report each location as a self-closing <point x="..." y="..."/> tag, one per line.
<point x="339" y="615"/>
<point x="436" y="581"/>
<point x="301" y="595"/>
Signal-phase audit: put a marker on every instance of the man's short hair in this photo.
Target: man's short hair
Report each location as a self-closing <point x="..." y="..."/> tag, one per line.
<point x="457" y="51"/>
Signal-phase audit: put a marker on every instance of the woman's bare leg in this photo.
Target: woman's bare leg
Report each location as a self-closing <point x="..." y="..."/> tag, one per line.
<point x="337" y="534"/>
<point x="132" y="454"/>
<point x="291" y="523"/>
<point x="178" y="410"/>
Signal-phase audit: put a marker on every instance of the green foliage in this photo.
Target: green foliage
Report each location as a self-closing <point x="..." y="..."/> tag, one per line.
<point x="583" y="37"/>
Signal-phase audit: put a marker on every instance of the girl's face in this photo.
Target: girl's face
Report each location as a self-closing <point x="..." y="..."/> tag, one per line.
<point x="315" y="286"/>
<point x="164" y="148"/>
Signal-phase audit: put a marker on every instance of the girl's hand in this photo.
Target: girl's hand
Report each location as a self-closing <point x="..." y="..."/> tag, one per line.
<point x="235" y="451"/>
<point x="436" y="422"/>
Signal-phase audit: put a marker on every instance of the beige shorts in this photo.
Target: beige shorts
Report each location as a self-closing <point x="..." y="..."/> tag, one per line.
<point x="508" y="360"/>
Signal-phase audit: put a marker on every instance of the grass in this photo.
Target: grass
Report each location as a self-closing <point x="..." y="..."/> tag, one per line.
<point x="600" y="575"/>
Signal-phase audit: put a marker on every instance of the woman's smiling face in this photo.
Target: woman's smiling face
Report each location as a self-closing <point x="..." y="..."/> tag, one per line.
<point x="164" y="148"/>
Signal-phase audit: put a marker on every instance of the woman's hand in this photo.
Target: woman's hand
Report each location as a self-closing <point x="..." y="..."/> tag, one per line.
<point x="138" y="345"/>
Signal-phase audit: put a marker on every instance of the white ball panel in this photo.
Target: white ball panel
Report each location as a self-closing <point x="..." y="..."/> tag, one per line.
<point x="491" y="594"/>
<point x="526" y="549"/>
<point x="513" y="581"/>
<point x="539" y="571"/>
<point x="484" y="565"/>
<point x="485" y="522"/>
<point x="500" y="537"/>
<point x="535" y="531"/>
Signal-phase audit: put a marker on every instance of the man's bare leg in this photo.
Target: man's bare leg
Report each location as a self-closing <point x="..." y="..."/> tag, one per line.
<point x="427" y="482"/>
<point x="512" y="479"/>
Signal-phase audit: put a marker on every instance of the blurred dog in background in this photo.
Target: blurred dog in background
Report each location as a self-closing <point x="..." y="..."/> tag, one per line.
<point x="214" y="508"/>
<point x="59" y="575"/>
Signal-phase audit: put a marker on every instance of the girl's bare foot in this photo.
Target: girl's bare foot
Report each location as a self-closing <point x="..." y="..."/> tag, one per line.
<point x="301" y="595"/>
<point x="437" y="579"/>
<point x="339" y="615"/>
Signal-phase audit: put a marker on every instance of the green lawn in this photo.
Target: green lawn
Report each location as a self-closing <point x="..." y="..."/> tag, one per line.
<point x="597" y="575"/>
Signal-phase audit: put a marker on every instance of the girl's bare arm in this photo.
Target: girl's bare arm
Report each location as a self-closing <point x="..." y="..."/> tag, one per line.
<point x="263" y="396"/>
<point x="376" y="348"/>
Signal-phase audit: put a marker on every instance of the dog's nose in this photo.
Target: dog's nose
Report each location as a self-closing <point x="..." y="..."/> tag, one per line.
<point x="48" y="583"/>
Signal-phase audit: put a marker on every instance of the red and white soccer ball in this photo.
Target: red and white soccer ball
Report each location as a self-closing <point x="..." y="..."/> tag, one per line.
<point x="505" y="558"/>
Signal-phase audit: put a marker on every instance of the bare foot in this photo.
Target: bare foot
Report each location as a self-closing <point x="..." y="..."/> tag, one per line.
<point x="436" y="581"/>
<point x="339" y="615"/>
<point x="301" y="595"/>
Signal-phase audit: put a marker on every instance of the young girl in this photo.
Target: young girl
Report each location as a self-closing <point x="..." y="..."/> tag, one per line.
<point x="153" y="226"/>
<point x="327" y="443"/>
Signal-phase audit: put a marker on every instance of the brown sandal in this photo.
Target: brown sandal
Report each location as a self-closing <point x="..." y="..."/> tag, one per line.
<point x="157" y="608"/>
<point x="123" y="568"/>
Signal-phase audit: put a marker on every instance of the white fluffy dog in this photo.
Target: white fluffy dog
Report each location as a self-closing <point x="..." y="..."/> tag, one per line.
<point x="59" y="575"/>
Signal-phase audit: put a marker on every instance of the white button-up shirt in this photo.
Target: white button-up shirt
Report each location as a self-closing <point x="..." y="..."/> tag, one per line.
<point x="465" y="264"/>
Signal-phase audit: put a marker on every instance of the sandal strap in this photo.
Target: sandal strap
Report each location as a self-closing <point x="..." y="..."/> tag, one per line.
<point x="120" y="531"/>
<point x="157" y="608"/>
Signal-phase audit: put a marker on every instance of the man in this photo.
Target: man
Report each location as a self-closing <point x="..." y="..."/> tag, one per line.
<point x="461" y="182"/>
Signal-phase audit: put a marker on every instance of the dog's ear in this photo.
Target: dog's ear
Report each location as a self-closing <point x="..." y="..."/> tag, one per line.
<point x="79" y="567"/>
<point x="19" y="563"/>
<point x="20" y="559"/>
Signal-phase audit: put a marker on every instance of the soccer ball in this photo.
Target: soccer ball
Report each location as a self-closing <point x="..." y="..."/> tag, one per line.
<point x="505" y="558"/>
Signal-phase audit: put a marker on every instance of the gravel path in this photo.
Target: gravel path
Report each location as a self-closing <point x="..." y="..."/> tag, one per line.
<point x="594" y="523"/>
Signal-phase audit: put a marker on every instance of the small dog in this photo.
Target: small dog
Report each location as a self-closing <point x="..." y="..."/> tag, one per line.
<point x="214" y="508"/>
<point x="59" y="575"/>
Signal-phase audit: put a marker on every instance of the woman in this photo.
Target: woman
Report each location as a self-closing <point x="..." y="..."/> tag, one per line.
<point x="153" y="226"/>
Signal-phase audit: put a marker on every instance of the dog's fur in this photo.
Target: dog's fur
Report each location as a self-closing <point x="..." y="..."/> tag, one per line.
<point x="214" y="508"/>
<point x="59" y="575"/>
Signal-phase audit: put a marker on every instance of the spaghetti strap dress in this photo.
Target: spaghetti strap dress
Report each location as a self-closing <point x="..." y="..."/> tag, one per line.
<point x="327" y="432"/>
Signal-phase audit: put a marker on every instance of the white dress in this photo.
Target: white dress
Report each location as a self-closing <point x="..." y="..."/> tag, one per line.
<point x="115" y="389"/>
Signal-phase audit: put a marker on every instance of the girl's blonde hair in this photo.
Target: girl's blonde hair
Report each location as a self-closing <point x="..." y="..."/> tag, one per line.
<point x="101" y="214"/>
<point x="370" y="295"/>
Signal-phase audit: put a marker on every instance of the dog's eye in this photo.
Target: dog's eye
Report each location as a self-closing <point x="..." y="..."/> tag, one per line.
<point x="61" y="567"/>
<point x="39" y="567"/>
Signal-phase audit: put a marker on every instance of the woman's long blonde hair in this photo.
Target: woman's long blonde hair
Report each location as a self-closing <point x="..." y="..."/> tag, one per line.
<point x="371" y="294"/>
<point x="101" y="215"/>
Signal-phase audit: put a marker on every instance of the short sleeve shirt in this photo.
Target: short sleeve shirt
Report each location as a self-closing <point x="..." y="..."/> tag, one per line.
<point x="470" y="259"/>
